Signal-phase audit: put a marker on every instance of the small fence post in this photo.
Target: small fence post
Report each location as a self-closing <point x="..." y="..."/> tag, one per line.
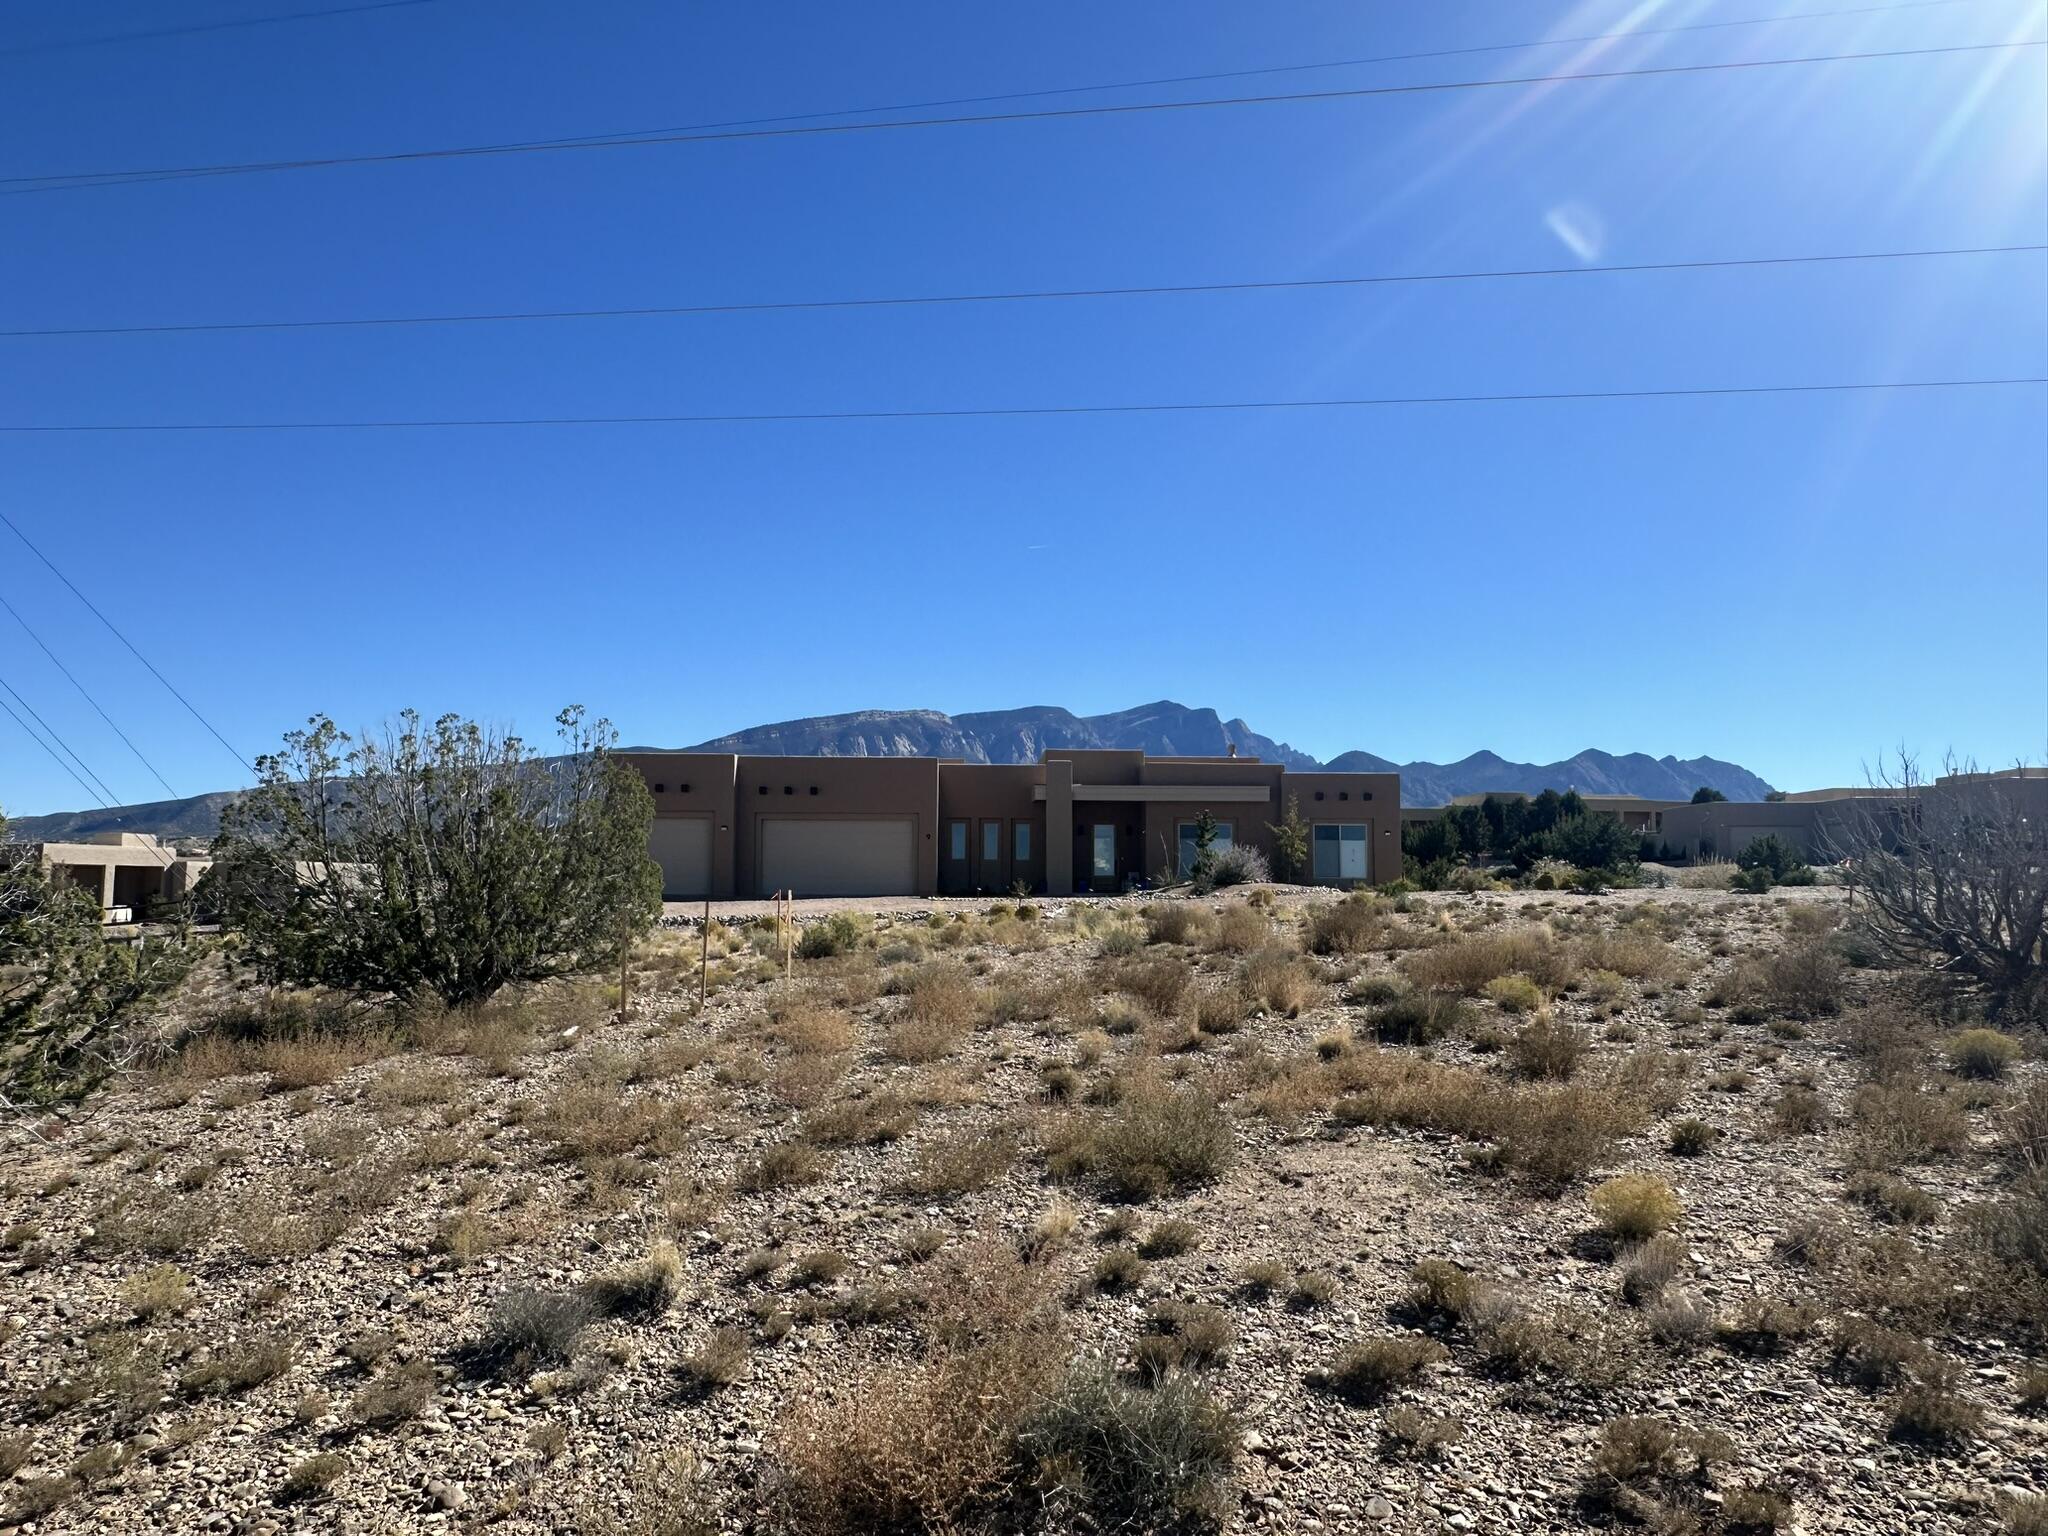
<point x="625" y="962"/>
<point x="704" y="959"/>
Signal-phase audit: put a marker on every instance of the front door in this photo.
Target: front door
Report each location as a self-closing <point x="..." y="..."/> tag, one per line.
<point x="1102" y="872"/>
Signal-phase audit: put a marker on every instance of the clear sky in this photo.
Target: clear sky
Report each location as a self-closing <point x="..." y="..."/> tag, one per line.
<point x="1796" y="583"/>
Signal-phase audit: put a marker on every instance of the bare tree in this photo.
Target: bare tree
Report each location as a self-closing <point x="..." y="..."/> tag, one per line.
<point x="1951" y="873"/>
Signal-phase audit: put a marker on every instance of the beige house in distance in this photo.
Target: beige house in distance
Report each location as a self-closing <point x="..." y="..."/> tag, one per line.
<point x="126" y="870"/>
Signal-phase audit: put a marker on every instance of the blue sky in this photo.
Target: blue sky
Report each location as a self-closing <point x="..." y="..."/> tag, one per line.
<point x="1794" y="583"/>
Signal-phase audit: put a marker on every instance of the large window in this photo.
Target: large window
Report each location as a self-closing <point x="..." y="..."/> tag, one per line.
<point x="1102" y="862"/>
<point x="1022" y="832"/>
<point x="1186" y="834"/>
<point x="1340" y="851"/>
<point x="956" y="840"/>
<point x="991" y="841"/>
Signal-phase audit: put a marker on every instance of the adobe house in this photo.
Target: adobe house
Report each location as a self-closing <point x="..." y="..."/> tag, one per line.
<point x="126" y="871"/>
<point x="729" y="826"/>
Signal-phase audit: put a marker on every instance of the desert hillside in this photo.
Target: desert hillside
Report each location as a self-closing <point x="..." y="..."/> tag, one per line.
<point x="1498" y="1212"/>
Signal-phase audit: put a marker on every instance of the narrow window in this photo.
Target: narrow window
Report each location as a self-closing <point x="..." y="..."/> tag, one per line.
<point x="991" y="841"/>
<point x="1023" y="842"/>
<point x="956" y="840"/>
<point x="1327" y="856"/>
<point x="1184" y="835"/>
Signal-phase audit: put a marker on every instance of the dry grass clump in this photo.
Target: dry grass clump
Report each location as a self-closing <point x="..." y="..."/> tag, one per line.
<point x="1178" y="922"/>
<point x="530" y="1327"/>
<point x="1240" y="929"/>
<point x="808" y="1028"/>
<point x="1158" y="1139"/>
<point x="1170" y="1239"/>
<point x="1547" y="1049"/>
<point x="1906" y="1121"/>
<point x="785" y="1165"/>
<point x="1117" y="1269"/>
<point x="312" y="1476"/>
<point x="1799" y="1112"/>
<point x="239" y="1366"/>
<point x="1152" y="1458"/>
<point x="926" y="1443"/>
<point x="161" y="1291"/>
<point x="1514" y="994"/>
<point x="587" y="1119"/>
<point x="960" y="1161"/>
<point x="1368" y="1370"/>
<point x="1693" y="1138"/>
<point x="1984" y="1054"/>
<point x="398" y="1396"/>
<point x="1636" y="955"/>
<point x="1278" y="982"/>
<point x="1356" y="925"/>
<point x="1931" y="1413"/>
<point x="1419" y="1018"/>
<point x="873" y="1120"/>
<point x="1649" y="1472"/>
<point x="940" y="1007"/>
<point x="1801" y="981"/>
<point x="718" y="1362"/>
<point x="1468" y="964"/>
<point x="1160" y="984"/>
<point x="642" y="1290"/>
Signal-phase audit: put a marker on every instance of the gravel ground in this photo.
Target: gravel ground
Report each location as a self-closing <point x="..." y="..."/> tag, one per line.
<point x="207" y="1159"/>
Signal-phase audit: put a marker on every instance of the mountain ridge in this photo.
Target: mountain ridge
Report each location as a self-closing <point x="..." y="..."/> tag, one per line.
<point x="1159" y="729"/>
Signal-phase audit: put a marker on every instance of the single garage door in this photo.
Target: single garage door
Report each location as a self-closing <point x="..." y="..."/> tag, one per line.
<point x="821" y="856"/>
<point x="681" y="845"/>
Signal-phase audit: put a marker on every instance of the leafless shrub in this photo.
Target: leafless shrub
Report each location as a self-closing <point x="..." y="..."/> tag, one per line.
<point x="1950" y="875"/>
<point x="784" y="1165"/>
<point x="1353" y="926"/>
<point x="1152" y="1459"/>
<point x="718" y="1362"/>
<point x="959" y="1162"/>
<point x="1547" y="1049"/>
<point x="1467" y="964"/>
<point x="1178" y="922"/>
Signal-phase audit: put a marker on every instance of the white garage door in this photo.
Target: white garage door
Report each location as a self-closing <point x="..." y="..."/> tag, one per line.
<point x="819" y="856"/>
<point x="681" y="845"/>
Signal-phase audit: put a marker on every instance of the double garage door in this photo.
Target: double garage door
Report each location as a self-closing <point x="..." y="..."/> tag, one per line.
<point x="810" y="855"/>
<point x="829" y="856"/>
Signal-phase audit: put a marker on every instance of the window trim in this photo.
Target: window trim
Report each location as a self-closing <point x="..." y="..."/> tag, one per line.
<point x="1362" y="835"/>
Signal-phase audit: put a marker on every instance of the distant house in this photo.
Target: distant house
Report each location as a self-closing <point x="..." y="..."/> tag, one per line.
<point x="127" y="871"/>
<point x="739" y="826"/>
<point x="1813" y="820"/>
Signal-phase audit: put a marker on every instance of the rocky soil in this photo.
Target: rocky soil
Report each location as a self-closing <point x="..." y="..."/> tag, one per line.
<point x="249" y="1266"/>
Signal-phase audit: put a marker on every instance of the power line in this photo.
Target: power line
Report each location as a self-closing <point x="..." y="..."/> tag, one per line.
<point x="95" y="703"/>
<point x="1016" y="296"/>
<point x="105" y="799"/>
<point x="1158" y="408"/>
<point x="32" y="736"/>
<point x="83" y="179"/>
<point x="1072" y="90"/>
<point x="190" y="707"/>
<point x="210" y="26"/>
<point x="103" y="794"/>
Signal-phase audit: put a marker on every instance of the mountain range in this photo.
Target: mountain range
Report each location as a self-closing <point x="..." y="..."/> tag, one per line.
<point x="1164" y="729"/>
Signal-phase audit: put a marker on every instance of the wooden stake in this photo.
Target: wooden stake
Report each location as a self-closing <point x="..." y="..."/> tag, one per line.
<point x="788" y="939"/>
<point x="625" y="963"/>
<point x="704" y="963"/>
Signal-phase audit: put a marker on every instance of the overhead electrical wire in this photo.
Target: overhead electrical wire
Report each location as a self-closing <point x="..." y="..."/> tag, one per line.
<point x="196" y="28"/>
<point x="1624" y="34"/>
<point x="101" y="792"/>
<point x="900" y="301"/>
<point x="75" y="181"/>
<point x="1190" y="407"/>
<point x="95" y="703"/>
<point x="190" y="708"/>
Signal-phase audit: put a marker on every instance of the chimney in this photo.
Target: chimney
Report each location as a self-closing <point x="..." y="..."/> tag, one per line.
<point x="1232" y="748"/>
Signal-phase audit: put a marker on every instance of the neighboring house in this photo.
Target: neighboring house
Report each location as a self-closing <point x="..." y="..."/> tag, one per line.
<point x="1634" y="811"/>
<point x="731" y="826"/>
<point x="126" y="871"/>
<point x="1812" y="820"/>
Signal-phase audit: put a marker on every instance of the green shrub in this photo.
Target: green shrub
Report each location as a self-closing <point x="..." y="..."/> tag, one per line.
<point x="1161" y="1139"/>
<point x="1772" y="855"/>
<point x="1419" y="1018"/>
<point x="838" y="934"/>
